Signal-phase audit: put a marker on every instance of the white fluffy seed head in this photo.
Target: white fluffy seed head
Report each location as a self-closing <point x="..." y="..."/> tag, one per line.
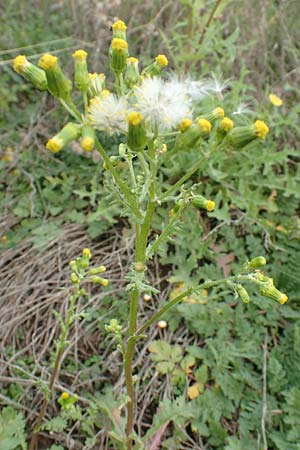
<point x="109" y="113"/>
<point x="163" y="103"/>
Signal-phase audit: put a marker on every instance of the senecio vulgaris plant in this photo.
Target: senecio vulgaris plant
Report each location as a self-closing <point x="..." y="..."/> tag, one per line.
<point x="155" y="117"/>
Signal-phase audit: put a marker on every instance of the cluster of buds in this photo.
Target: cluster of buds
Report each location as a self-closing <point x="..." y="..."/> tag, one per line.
<point x="113" y="327"/>
<point x="67" y="401"/>
<point x="81" y="270"/>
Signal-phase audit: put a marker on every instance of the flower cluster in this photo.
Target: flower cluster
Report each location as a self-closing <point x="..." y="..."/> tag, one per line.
<point x="163" y="104"/>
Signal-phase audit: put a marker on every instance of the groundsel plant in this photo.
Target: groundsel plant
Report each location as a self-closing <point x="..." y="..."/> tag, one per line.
<point x="154" y="115"/>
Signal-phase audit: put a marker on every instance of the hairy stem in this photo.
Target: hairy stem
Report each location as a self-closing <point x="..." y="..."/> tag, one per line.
<point x="122" y="186"/>
<point x="142" y="234"/>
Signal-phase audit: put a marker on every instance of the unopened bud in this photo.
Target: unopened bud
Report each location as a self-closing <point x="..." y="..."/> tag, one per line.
<point x="69" y="133"/>
<point x="243" y="294"/>
<point x="30" y="72"/>
<point x="118" y="55"/>
<point x="88" y="138"/>
<point x="201" y="202"/>
<point x="81" y="77"/>
<point x="257" y="262"/>
<point x="58" y="84"/>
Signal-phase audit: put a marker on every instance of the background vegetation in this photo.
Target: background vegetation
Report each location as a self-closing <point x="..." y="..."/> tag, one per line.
<point x="245" y="359"/>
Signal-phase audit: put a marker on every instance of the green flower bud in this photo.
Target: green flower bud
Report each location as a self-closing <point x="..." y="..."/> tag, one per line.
<point x="30" y="72"/>
<point x="201" y="202"/>
<point x="119" y="29"/>
<point x="270" y="291"/>
<point x="74" y="278"/>
<point x="156" y="67"/>
<point x="217" y="113"/>
<point x="73" y="265"/>
<point x="136" y="137"/>
<point x="240" y="136"/>
<point x="243" y="294"/>
<point x="99" y="280"/>
<point x="257" y="262"/>
<point x="113" y="327"/>
<point x="69" y="133"/>
<point x="132" y="74"/>
<point x="96" y="270"/>
<point x="88" y="138"/>
<point x="82" y="79"/>
<point x="118" y="55"/>
<point x="58" y="84"/>
<point x="192" y="134"/>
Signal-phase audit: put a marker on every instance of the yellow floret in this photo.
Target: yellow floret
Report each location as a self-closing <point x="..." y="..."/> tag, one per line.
<point x="19" y="63"/>
<point x="283" y="299"/>
<point x="92" y="76"/>
<point x="80" y="55"/>
<point x="47" y="61"/>
<point x="261" y="129"/>
<point x="119" y="25"/>
<point x="205" y="125"/>
<point x="87" y="144"/>
<point x="132" y="60"/>
<point x="219" y="112"/>
<point x="162" y="60"/>
<point x="226" y="124"/>
<point x="105" y="93"/>
<point x="54" y="145"/>
<point x="275" y="100"/>
<point x="87" y="252"/>
<point x="105" y="282"/>
<point x="65" y="395"/>
<point x="134" y="118"/>
<point x="210" y="205"/>
<point x="119" y="44"/>
<point x="185" y="124"/>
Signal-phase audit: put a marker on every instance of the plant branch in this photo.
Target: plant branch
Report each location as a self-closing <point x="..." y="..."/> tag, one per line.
<point x="182" y="180"/>
<point x="122" y="186"/>
<point x="211" y="16"/>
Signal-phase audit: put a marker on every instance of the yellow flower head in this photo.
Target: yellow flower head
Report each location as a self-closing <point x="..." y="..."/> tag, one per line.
<point x="210" y="206"/>
<point x="283" y="299"/>
<point x="119" y="45"/>
<point x="119" y="25"/>
<point x="162" y="60"/>
<point x="185" y="124"/>
<point x="87" y="144"/>
<point x="275" y="100"/>
<point x="134" y="118"/>
<point x="80" y="55"/>
<point x="47" y="61"/>
<point x="54" y="145"/>
<point x="19" y="63"/>
<point x="65" y="395"/>
<point x="105" y="282"/>
<point x="261" y="129"/>
<point x="132" y="60"/>
<point x="105" y="93"/>
<point x="219" y="112"/>
<point x="226" y="124"/>
<point x="87" y="252"/>
<point x="204" y="125"/>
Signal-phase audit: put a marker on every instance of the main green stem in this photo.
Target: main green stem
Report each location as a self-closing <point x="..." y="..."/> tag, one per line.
<point x="141" y="239"/>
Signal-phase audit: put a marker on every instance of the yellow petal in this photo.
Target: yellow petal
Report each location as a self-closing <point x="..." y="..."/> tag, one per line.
<point x="193" y="391"/>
